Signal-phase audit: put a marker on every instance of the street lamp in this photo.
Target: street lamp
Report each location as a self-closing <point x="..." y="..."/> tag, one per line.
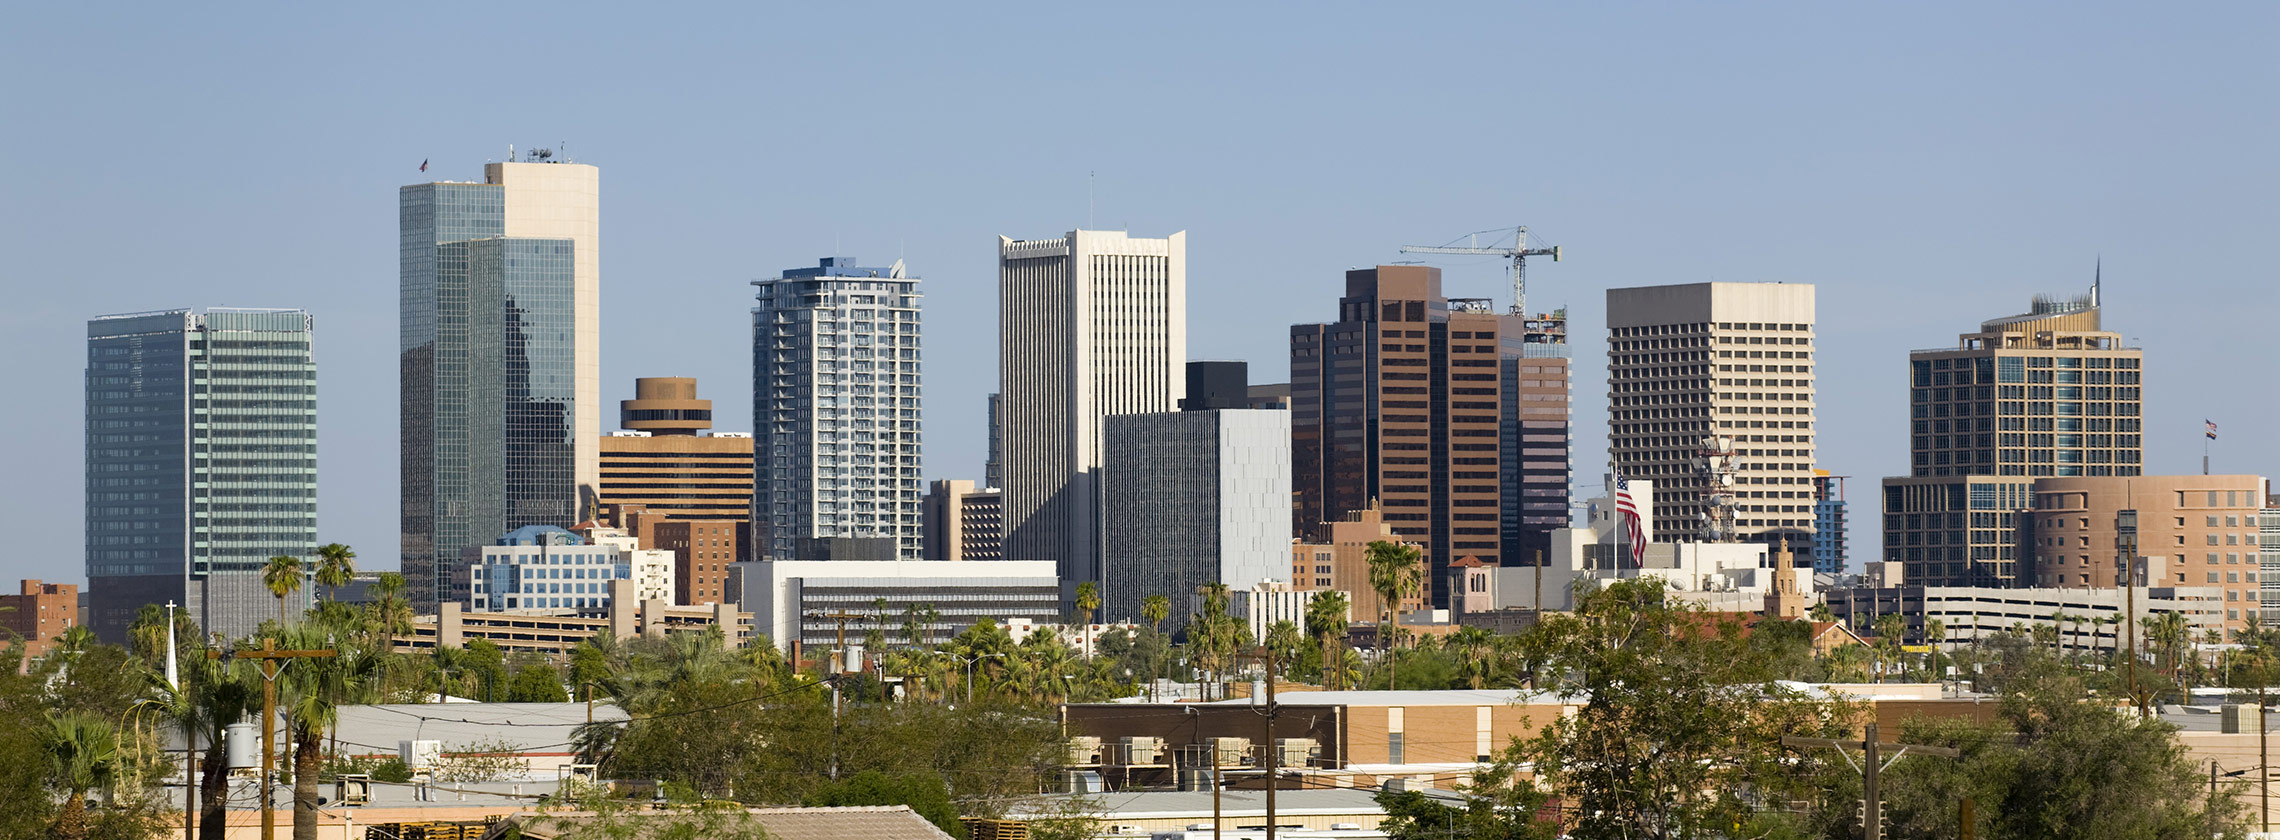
<point x="970" y="660"/>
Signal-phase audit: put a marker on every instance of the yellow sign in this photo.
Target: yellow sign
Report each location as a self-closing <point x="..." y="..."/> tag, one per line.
<point x="1916" y="648"/>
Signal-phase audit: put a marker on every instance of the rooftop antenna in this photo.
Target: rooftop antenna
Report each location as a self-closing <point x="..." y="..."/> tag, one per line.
<point x="2097" y="276"/>
<point x="510" y="153"/>
<point x="1090" y="177"/>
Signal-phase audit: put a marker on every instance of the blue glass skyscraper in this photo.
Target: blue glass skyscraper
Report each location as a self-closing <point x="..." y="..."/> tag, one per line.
<point x="500" y="363"/>
<point x="201" y="463"/>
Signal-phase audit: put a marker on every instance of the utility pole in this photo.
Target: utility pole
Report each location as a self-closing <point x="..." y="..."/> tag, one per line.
<point x="1872" y="801"/>
<point x="2125" y="551"/>
<point x="272" y="661"/>
<point x="1273" y="754"/>
<point x="842" y="617"/>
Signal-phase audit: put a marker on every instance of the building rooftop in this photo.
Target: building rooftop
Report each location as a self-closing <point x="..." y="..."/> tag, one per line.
<point x="843" y="267"/>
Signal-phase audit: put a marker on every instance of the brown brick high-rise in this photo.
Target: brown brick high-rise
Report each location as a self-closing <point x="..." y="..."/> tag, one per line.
<point x="1398" y="402"/>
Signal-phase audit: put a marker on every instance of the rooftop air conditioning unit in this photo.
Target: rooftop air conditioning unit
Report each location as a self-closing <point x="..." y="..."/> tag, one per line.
<point x="1084" y="749"/>
<point x="1232" y="752"/>
<point x="1143" y="749"/>
<point x="1297" y="752"/>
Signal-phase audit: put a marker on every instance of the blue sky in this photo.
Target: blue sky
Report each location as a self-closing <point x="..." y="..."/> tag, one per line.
<point x="1927" y="165"/>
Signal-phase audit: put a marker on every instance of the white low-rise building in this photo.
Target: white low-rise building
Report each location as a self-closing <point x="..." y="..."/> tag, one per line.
<point x="791" y="599"/>
<point x="1714" y="576"/>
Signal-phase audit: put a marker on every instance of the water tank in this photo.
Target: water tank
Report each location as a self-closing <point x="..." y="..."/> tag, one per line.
<point x="241" y="746"/>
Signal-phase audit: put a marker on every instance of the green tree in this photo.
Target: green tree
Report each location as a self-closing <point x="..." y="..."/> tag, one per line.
<point x="2058" y="762"/>
<point x="83" y="754"/>
<point x="486" y="668"/>
<point x="1396" y="570"/>
<point x="923" y="792"/>
<point x="1326" y="617"/>
<point x="283" y="577"/>
<point x="336" y="566"/>
<point x="1680" y="722"/>
<point x="536" y="682"/>
<point x="1088" y="600"/>
<point x="310" y="694"/>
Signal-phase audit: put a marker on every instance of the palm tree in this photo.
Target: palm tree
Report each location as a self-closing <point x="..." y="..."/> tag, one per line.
<point x="336" y="566"/>
<point x="1284" y="639"/>
<point x="391" y="614"/>
<point x="1155" y="608"/>
<point x="1326" y="617"/>
<point x="311" y="693"/>
<point x="83" y="754"/>
<point x="283" y="577"/>
<point x="1473" y="645"/>
<point x="1088" y="600"/>
<point x="1208" y="640"/>
<point x="1395" y="571"/>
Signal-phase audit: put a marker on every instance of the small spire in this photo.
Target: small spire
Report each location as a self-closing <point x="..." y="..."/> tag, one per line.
<point x="2097" y="277"/>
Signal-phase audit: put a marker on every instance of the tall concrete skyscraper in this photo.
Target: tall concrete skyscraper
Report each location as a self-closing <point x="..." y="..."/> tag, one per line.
<point x="835" y="396"/>
<point x="1090" y="324"/>
<point x="1400" y="403"/>
<point x="501" y="364"/>
<point x="1711" y="397"/>
<point x="2045" y="393"/>
<point x="201" y="463"/>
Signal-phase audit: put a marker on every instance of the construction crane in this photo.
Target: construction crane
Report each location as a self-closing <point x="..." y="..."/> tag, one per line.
<point x="1519" y="254"/>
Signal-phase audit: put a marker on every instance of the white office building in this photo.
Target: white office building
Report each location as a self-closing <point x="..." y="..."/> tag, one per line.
<point x="1090" y="324"/>
<point x="544" y="570"/>
<point x="835" y="401"/>
<point x="1716" y="367"/>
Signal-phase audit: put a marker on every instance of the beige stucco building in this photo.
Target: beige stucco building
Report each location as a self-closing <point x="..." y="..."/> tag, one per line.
<point x="2195" y="530"/>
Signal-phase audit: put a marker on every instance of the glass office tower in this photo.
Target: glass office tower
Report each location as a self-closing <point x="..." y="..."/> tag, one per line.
<point x="500" y="387"/>
<point x="201" y="463"/>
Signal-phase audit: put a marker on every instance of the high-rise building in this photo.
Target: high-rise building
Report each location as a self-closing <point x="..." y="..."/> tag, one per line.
<point x="667" y="463"/>
<point x="1711" y="397"/>
<point x="1829" y="523"/>
<point x="1534" y="435"/>
<point x="201" y="462"/>
<point x="501" y="359"/>
<point x="1090" y="324"/>
<point x="1400" y="402"/>
<point x="835" y="395"/>
<point x="1196" y="496"/>
<point x="2046" y="393"/>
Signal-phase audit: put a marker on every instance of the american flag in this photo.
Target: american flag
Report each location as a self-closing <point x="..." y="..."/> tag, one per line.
<point x="2212" y="427"/>
<point x="1632" y="531"/>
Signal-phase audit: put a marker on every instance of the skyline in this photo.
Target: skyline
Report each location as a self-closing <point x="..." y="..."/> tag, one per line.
<point x="2006" y="157"/>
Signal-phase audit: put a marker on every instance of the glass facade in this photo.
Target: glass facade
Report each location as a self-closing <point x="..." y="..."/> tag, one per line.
<point x="201" y="462"/>
<point x="835" y="393"/>
<point x="488" y="372"/>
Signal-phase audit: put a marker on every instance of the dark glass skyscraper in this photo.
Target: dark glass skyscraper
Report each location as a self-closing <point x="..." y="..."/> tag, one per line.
<point x="201" y="462"/>
<point x="500" y="363"/>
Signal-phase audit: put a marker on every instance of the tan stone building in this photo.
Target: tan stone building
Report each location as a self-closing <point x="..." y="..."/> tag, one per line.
<point x="666" y="463"/>
<point x="960" y="522"/>
<point x="1342" y="562"/>
<point x="2194" y="530"/>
